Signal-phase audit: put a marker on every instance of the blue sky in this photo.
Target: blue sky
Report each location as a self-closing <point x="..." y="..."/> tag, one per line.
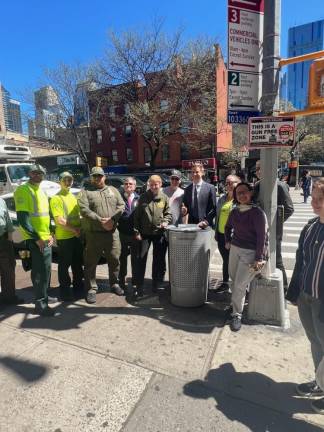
<point x="38" y="33"/>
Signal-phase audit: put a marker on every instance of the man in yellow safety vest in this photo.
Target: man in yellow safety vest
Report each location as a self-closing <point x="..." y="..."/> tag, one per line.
<point x="32" y="209"/>
<point x="66" y="213"/>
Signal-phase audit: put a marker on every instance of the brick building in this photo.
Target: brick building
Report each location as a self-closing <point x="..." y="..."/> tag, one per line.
<point x="117" y="141"/>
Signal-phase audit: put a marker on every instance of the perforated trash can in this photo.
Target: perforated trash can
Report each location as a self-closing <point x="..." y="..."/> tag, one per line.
<point x="189" y="253"/>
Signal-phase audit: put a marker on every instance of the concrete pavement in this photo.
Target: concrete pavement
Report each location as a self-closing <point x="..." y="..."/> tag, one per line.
<point x="149" y="366"/>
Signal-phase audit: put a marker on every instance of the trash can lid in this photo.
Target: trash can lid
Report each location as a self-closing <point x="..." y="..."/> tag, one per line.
<point x="187" y="228"/>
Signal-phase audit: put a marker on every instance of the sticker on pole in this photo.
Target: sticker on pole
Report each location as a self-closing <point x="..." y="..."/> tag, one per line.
<point x="271" y="132"/>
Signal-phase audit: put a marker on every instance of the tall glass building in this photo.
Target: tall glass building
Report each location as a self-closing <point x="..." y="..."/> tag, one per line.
<point x="10" y="118"/>
<point x="302" y="39"/>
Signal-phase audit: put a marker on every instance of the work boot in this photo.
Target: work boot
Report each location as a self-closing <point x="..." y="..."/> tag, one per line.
<point x="44" y="311"/>
<point x="91" y="296"/>
<point x="236" y="323"/>
<point x="117" y="290"/>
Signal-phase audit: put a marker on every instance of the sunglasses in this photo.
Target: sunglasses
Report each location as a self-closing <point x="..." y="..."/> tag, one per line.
<point x="175" y="178"/>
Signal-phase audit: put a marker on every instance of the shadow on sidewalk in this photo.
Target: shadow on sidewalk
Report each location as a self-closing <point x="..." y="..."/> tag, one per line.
<point x="155" y="306"/>
<point x="26" y="370"/>
<point x="253" y="399"/>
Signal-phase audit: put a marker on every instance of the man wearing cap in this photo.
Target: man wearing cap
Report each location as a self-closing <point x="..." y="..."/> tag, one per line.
<point x="175" y="194"/>
<point x="7" y="258"/>
<point x="66" y="213"/>
<point x="101" y="207"/>
<point x="32" y="209"/>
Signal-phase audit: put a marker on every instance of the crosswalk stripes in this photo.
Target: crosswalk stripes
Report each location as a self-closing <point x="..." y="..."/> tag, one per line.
<point x="292" y="228"/>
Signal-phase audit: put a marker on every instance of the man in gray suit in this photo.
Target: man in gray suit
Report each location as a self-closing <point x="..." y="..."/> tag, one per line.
<point x="199" y="199"/>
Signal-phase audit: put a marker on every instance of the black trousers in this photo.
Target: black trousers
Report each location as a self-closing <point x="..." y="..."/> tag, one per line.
<point x="128" y="246"/>
<point x="280" y="264"/>
<point x="225" y="255"/>
<point x="7" y="269"/>
<point x="159" y="251"/>
<point x="70" y="254"/>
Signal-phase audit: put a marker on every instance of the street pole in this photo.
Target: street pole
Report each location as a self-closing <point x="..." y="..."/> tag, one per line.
<point x="270" y="106"/>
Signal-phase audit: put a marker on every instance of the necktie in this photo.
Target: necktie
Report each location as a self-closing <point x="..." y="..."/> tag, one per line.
<point x="129" y="201"/>
<point x="195" y="203"/>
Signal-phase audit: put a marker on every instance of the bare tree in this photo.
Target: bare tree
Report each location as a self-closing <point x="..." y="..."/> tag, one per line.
<point x="167" y="88"/>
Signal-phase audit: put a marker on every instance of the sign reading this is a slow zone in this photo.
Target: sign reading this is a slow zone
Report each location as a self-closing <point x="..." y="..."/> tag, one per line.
<point x="271" y="132"/>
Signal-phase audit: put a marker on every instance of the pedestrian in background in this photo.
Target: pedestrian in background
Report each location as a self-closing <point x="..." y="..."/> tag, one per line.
<point x="223" y="210"/>
<point x="175" y="195"/>
<point x="285" y="210"/>
<point x="152" y="216"/>
<point x="101" y="206"/>
<point x="199" y="199"/>
<point x="33" y="216"/>
<point x="306" y="289"/>
<point x="66" y="213"/>
<point x="7" y="258"/>
<point x="129" y="245"/>
<point x="306" y="185"/>
<point x="245" y="237"/>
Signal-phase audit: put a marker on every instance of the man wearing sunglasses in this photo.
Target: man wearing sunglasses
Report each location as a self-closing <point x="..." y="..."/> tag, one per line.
<point x="101" y="207"/>
<point x="175" y="194"/>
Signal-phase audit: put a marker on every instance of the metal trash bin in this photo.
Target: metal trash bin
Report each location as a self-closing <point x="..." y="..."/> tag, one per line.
<point x="189" y="254"/>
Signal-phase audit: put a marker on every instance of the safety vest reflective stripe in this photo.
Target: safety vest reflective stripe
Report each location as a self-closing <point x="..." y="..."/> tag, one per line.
<point x="36" y="213"/>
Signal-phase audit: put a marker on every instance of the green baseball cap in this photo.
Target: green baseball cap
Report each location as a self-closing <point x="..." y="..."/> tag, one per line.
<point x="37" y="167"/>
<point x="65" y="174"/>
<point x="97" y="171"/>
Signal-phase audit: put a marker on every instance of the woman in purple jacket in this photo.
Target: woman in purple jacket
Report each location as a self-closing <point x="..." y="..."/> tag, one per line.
<point x="245" y="237"/>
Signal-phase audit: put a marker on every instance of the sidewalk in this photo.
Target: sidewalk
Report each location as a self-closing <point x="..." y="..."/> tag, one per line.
<point x="149" y="367"/>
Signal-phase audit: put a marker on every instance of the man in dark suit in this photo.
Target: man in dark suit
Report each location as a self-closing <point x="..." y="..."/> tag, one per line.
<point x="199" y="199"/>
<point x="129" y="245"/>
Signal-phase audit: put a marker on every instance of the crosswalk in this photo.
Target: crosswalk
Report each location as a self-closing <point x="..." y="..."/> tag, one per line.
<point x="292" y="228"/>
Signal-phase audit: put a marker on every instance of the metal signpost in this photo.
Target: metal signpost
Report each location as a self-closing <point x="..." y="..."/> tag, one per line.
<point x="245" y="38"/>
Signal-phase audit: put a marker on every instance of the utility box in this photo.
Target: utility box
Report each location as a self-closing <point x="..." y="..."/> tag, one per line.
<point x="267" y="301"/>
<point x="189" y="255"/>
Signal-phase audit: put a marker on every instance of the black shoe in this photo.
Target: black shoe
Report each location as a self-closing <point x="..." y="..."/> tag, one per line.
<point x="156" y="285"/>
<point x="223" y="287"/>
<point x="52" y="300"/>
<point x="236" y="323"/>
<point x="44" y="311"/>
<point x="66" y="295"/>
<point x="318" y="406"/>
<point x="139" y="291"/>
<point x="117" y="290"/>
<point x="15" y="300"/>
<point x="122" y="283"/>
<point x="91" y="296"/>
<point x="309" y="389"/>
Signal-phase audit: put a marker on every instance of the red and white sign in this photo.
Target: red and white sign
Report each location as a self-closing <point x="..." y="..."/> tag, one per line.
<point x="271" y="132"/>
<point x="253" y="5"/>
<point x="207" y="163"/>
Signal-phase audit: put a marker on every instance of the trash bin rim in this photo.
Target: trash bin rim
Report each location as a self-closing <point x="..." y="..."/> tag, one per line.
<point x="187" y="228"/>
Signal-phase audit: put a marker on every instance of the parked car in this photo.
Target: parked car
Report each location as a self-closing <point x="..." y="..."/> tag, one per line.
<point x="117" y="180"/>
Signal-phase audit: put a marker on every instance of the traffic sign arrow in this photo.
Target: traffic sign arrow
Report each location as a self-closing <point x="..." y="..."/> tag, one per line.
<point x="243" y="64"/>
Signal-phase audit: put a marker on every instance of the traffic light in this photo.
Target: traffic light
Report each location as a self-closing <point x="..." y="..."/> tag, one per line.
<point x="316" y="84"/>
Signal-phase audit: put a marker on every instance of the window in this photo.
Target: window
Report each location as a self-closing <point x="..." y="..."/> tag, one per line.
<point x="112" y="111"/>
<point x="147" y="131"/>
<point x="113" y="138"/>
<point x="147" y="154"/>
<point x="99" y="136"/>
<point x="165" y="152"/>
<point x="3" y="177"/>
<point x="164" y="105"/>
<point x="184" y="152"/>
<point x="184" y="128"/>
<point x="129" y="154"/>
<point x="127" y="110"/>
<point x="165" y="127"/>
<point x="128" y="130"/>
<point x="114" y="155"/>
<point x="112" y="129"/>
<point x="10" y="204"/>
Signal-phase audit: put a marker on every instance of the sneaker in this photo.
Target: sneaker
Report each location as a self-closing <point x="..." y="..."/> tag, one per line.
<point x="91" y="296"/>
<point x="44" y="311"/>
<point x="52" y="300"/>
<point x="117" y="290"/>
<point x="310" y="389"/>
<point x="236" y="323"/>
<point x="318" y="406"/>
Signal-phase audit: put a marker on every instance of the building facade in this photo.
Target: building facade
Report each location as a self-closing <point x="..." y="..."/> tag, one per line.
<point x="46" y="112"/>
<point x="10" y="113"/>
<point x="115" y="139"/>
<point x="302" y="39"/>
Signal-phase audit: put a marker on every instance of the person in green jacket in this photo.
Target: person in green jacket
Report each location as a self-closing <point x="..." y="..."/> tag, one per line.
<point x="152" y="216"/>
<point x="101" y="207"/>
